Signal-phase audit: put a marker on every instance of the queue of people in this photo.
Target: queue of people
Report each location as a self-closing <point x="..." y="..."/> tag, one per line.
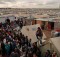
<point x="16" y="45"/>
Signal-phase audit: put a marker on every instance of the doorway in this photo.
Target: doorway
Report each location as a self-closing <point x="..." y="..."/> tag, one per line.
<point x="52" y="25"/>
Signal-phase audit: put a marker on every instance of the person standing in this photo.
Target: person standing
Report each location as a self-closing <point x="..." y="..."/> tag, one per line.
<point x="3" y="49"/>
<point x="39" y="34"/>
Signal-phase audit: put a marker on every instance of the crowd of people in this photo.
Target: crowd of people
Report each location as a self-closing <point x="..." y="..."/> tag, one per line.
<point x="16" y="45"/>
<point x="13" y="44"/>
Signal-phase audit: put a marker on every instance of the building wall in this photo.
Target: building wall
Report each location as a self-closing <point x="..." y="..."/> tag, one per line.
<point x="57" y="25"/>
<point x="39" y="22"/>
<point x="36" y="22"/>
<point x="33" y="22"/>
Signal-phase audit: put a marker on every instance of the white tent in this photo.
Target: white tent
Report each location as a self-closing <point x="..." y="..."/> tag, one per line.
<point x="55" y="44"/>
<point x="4" y="17"/>
<point x="30" y="31"/>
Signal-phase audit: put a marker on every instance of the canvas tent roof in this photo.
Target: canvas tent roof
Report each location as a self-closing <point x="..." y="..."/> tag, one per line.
<point x="49" y="19"/>
<point x="56" y="43"/>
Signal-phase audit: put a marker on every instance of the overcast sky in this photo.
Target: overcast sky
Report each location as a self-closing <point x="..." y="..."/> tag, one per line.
<point x="29" y="3"/>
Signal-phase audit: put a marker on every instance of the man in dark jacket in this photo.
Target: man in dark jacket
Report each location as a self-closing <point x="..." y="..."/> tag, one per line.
<point x="39" y="34"/>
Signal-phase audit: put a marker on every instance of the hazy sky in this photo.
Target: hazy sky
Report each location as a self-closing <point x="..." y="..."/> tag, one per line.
<point x="30" y="3"/>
